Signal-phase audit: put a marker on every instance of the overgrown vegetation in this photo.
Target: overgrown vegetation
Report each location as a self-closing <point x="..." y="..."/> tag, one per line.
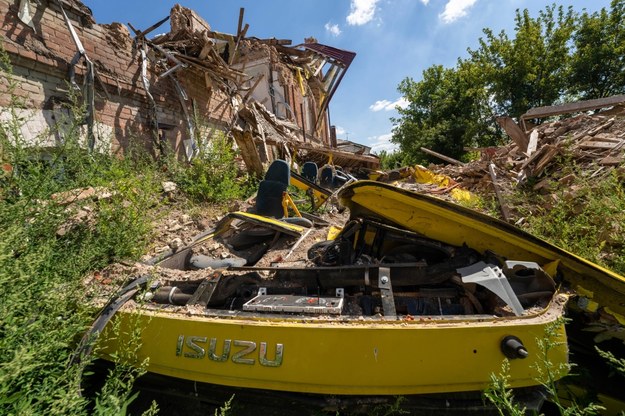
<point x="617" y="363"/>
<point x="47" y="247"/>
<point x="558" y="55"/>
<point x="585" y="218"/>
<point x="213" y="175"/>
<point x="51" y="239"/>
<point x="500" y="395"/>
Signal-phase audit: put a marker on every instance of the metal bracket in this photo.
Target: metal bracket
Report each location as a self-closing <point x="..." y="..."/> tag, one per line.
<point x="492" y="278"/>
<point x="172" y="70"/>
<point x="262" y="291"/>
<point x="386" y="292"/>
<point x="340" y="292"/>
<point x="204" y="292"/>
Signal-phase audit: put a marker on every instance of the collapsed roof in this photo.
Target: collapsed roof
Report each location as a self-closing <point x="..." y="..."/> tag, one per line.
<point x="177" y="90"/>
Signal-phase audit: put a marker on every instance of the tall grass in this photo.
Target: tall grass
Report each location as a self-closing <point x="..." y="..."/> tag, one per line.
<point x="48" y="245"/>
<point x="586" y="218"/>
<point x="45" y="250"/>
<point x="213" y="175"/>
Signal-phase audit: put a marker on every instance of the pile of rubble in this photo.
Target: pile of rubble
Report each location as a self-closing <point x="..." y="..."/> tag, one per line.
<point x="172" y="93"/>
<point x="590" y="143"/>
<point x="273" y="96"/>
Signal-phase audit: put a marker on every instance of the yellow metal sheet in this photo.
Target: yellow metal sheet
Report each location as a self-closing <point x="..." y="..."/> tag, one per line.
<point x="369" y="357"/>
<point x="272" y="223"/>
<point x="454" y="224"/>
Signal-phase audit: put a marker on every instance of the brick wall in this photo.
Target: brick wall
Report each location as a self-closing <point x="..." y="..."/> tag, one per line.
<point x="41" y="58"/>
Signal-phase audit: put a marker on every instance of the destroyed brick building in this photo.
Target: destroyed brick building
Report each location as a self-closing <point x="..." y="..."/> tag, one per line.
<point x="174" y="91"/>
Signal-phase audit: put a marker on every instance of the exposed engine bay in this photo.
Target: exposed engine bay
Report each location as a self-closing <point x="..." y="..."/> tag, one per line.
<point x="370" y="269"/>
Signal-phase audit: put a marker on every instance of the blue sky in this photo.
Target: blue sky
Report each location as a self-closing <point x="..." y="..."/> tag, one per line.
<point x="393" y="39"/>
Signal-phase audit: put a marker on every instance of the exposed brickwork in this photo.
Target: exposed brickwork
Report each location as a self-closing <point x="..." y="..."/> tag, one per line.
<point x="41" y="63"/>
<point x="217" y="82"/>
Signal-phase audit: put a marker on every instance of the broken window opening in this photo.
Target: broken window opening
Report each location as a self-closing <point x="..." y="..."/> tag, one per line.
<point x="165" y="137"/>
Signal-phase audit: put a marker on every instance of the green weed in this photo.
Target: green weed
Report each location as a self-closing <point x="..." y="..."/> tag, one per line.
<point x="617" y="363"/>
<point x="48" y="243"/>
<point x="213" y="174"/>
<point x="502" y="397"/>
<point x="117" y="392"/>
<point x="585" y="218"/>
<point x="225" y="409"/>
<point x="391" y="409"/>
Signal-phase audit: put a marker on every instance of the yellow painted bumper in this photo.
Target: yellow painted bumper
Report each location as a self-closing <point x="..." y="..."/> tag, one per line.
<point x="374" y="357"/>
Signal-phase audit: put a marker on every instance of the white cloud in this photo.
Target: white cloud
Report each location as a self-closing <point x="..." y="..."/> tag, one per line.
<point x="455" y="9"/>
<point x="340" y="131"/>
<point x="334" y="30"/>
<point x="383" y="142"/>
<point x="425" y="2"/>
<point x="389" y="106"/>
<point x="361" y="12"/>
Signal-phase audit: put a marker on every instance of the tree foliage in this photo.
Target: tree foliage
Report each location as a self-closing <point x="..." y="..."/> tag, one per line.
<point x="598" y="63"/>
<point x="550" y="58"/>
<point x="528" y="70"/>
<point x="445" y="112"/>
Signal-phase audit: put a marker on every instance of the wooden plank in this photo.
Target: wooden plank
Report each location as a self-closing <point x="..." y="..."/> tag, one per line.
<point x="533" y="143"/>
<point x="275" y="42"/>
<point x="598" y="145"/>
<point x="221" y="36"/>
<point x="601" y="127"/>
<point x="604" y="137"/>
<point x="249" y="152"/>
<point x="442" y="157"/>
<point x="142" y="34"/>
<point x="553" y="110"/>
<point x="611" y="160"/>
<point x="514" y="131"/>
<point x="251" y="90"/>
<point x="236" y="46"/>
<point x="208" y="44"/>
<point x="505" y="211"/>
<point x="241" y="12"/>
<point x="545" y="160"/>
<point x="536" y="155"/>
<point x="244" y="32"/>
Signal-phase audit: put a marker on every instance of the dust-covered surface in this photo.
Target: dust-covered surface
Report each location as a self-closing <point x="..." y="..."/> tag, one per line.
<point x="246" y="257"/>
<point x="175" y="230"/>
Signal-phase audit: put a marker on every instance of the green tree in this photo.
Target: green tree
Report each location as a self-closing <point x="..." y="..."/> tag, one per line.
<point x="448" y="111"/>
<point x="598" y="62"/>
<point x="393" y="159"/>
<point x="528" y="70"/>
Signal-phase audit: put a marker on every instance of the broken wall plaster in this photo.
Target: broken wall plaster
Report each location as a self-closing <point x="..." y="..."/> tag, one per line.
<point x="184" y="19"/>
<point x="49" y="128"/>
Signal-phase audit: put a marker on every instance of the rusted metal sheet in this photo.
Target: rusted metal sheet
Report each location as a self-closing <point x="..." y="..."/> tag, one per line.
<point x="341" y="56"/>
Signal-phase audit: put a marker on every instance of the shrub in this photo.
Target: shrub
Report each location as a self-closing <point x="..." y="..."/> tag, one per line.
<point x="213" y="175"/>
<point x="46" y="248"/>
